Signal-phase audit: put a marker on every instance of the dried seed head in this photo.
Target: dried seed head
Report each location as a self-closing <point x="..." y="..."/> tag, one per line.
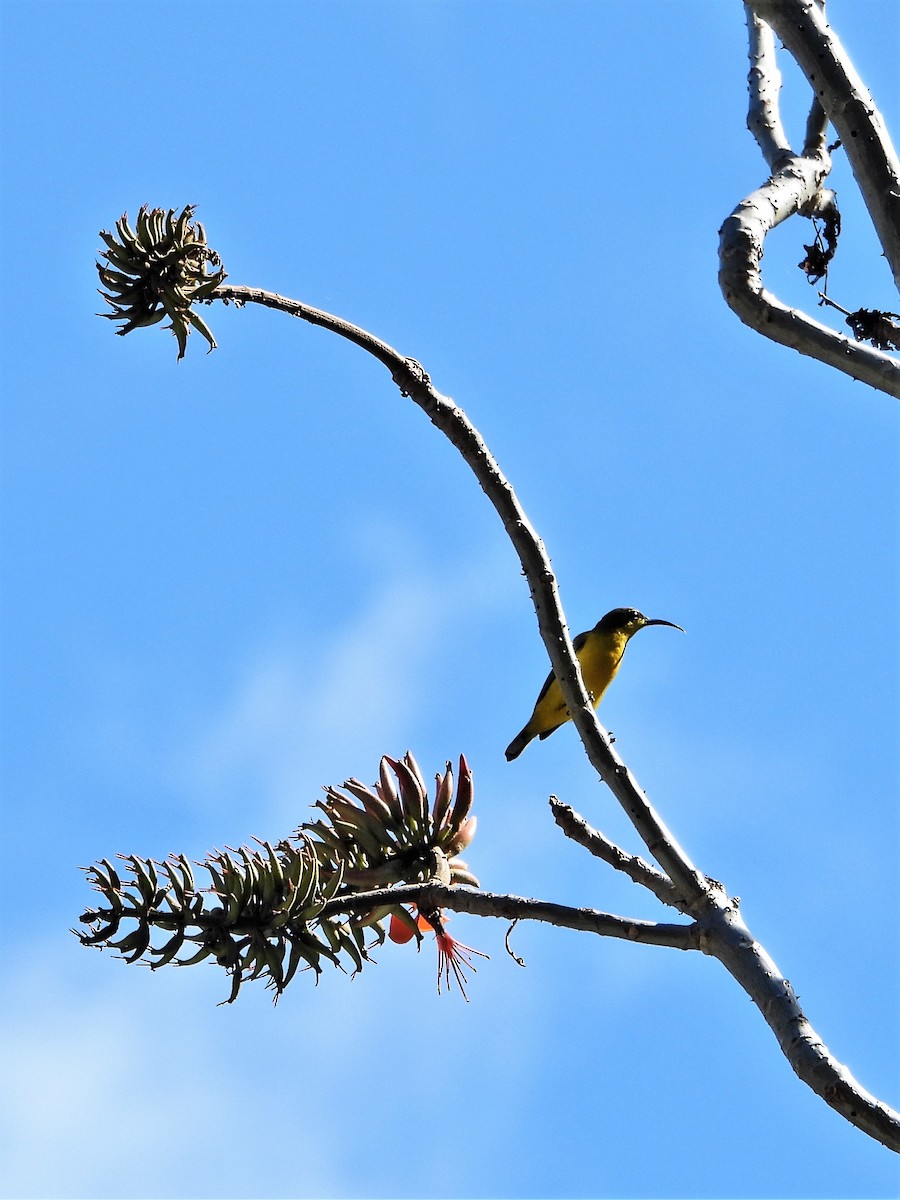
<point x="160" y="269"/>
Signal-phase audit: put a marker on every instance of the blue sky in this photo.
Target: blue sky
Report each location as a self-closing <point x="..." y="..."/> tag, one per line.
<point x="230" y="581"/>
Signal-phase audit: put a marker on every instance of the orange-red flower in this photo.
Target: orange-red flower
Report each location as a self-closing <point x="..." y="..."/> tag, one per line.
<point x="453" y="957"/>
<point x="401" y="932"/>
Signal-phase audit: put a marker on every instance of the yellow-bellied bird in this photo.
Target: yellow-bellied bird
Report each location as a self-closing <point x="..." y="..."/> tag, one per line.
<point x="599" y="651"/>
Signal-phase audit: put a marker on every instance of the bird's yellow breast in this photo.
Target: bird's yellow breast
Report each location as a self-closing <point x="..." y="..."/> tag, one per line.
<point x="600" y="657"/>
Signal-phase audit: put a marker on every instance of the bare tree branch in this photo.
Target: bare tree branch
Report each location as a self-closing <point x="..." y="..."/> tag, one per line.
<point x="802" y="27"/>
<point x="764" y="85"/>
<point x="739" y="952"/>
<point x="725" y="937"/>
<point x="574" y="826"/>
<point x="453" y="422"/>
<point x="795" y="186"/>
<point x="518" y="908"/>
<point x="270" y="897"/>
<point x="718" y="929"/>
<point x="816" y="135"/>
<point x="763" y="113"/>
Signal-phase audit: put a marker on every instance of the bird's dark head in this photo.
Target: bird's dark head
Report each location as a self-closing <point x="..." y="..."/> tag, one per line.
<point x="628" y="621"/>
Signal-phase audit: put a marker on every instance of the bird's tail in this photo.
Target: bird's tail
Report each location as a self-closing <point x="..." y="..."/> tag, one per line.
<point x="518" y="744"/>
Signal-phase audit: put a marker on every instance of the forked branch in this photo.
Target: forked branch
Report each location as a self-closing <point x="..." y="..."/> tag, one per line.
<point x="796" y="183"/>
<point x="414" y="382"/>
<point x="275" y="908"/>
<point x="717" y="928"/>
<point x="802" y="27"/>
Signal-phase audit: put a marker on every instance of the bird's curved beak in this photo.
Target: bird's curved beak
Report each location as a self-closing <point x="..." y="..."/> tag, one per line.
<point x="671" y="624"/>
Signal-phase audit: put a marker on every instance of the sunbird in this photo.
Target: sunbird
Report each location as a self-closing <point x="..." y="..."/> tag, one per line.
<point x="599" y="651"/>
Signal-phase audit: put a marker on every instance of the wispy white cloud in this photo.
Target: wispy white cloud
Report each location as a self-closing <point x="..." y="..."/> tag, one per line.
<point x="119" y="1083"/>
<point x="303" y="712"/>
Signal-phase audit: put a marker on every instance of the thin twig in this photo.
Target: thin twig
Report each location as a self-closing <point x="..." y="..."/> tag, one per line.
<point x="517" y="958"/>
<point x="574" y="826"/>
<point x="826" y="299"/>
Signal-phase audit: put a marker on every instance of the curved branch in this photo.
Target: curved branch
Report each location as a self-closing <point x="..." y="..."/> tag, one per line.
<point x="794" y="186"/>
<point x="802" y="27"/>
<point x="717" y="929"/>
<point x="453" y="422"/>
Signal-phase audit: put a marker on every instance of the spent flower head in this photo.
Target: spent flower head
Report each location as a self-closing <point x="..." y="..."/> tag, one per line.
<point x="159" y="269"/>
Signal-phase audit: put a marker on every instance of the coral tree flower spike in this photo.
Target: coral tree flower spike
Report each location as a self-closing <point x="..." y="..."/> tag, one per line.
<point x="453" y="956"/>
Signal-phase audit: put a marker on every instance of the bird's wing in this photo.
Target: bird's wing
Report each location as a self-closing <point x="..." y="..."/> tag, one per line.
<point x="577" y="643"/>
<point x="580" y="639"/>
